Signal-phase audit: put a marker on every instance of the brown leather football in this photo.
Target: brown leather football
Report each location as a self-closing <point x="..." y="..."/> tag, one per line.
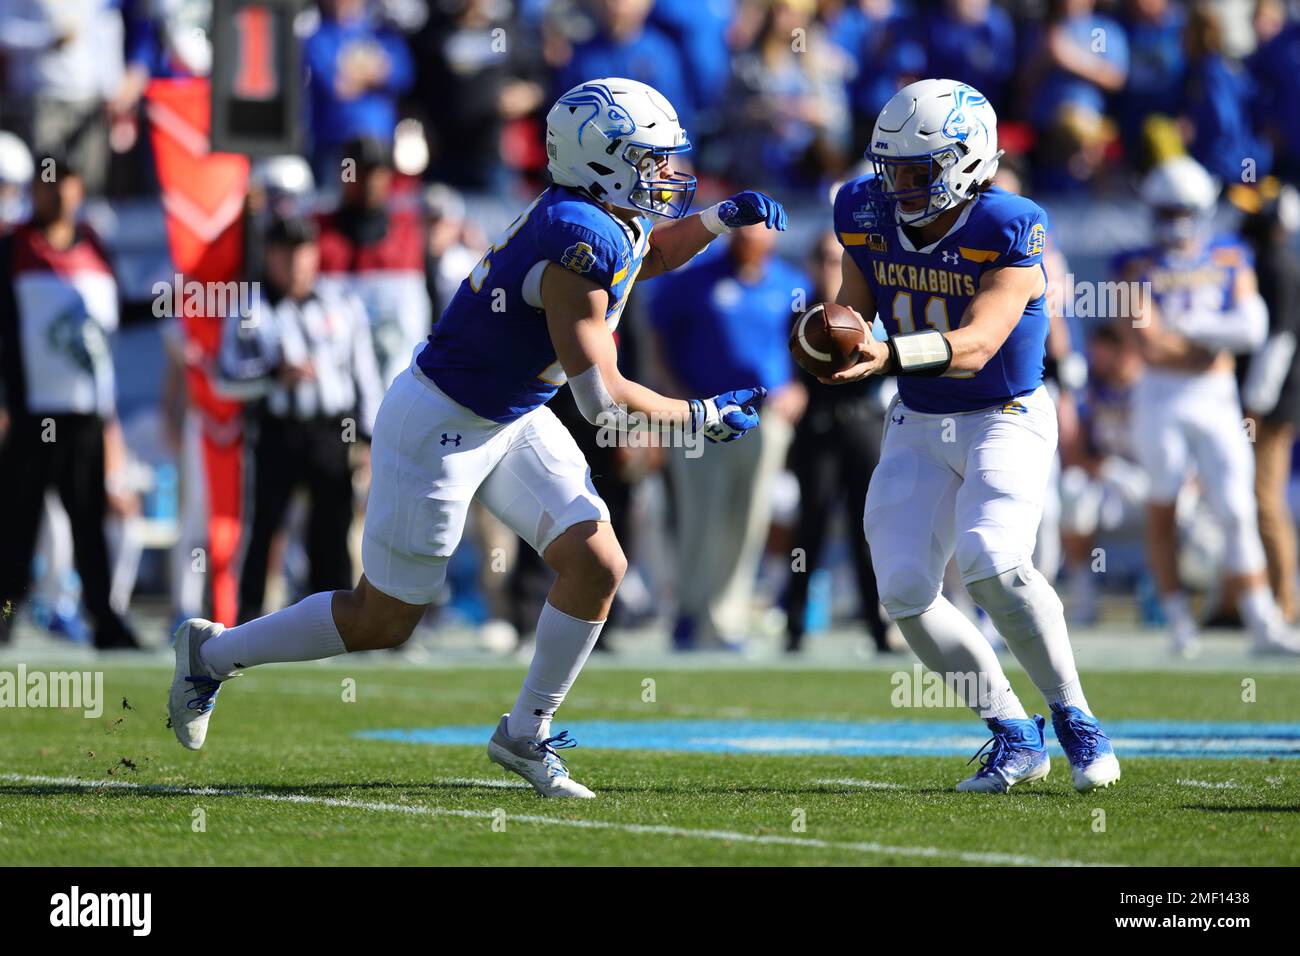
<point x="824" y="339"/>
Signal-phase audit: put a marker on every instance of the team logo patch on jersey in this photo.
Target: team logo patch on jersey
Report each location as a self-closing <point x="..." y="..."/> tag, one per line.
<point x="578" y="258"/>
<point x="876" y="242"/>
<point x="1037" y="240"/>
<point x="1013" y="408"/>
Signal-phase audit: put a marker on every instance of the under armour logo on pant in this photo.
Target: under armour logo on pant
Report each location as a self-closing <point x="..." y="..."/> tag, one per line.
<point x="450" y="440"/>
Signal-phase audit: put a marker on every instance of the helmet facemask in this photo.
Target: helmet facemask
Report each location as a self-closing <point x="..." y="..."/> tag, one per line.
<point x="668" y="197"/>
<point x="1180" y="225"/>
<point x="943" y="182"/>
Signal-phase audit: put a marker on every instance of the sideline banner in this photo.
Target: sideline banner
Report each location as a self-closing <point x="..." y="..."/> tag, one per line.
<point x="203" y="200"/>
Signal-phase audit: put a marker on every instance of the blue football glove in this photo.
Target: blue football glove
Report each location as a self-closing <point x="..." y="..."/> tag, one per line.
<point x="750" y="208"/>
<point x="728" y="416"/>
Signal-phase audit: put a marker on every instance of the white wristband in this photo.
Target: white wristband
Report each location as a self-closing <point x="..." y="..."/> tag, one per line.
<point x="920" y="353"/>
<point x="709" y="220"/>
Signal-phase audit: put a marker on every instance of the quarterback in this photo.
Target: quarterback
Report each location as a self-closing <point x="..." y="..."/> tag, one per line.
<point x="468" y="419"/>
<point x="954" y="267"/>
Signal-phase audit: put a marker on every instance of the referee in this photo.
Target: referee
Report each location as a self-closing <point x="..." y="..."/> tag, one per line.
<point x="304" y="359"/>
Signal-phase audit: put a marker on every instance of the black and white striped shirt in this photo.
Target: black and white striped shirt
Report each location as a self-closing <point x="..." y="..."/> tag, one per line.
<point x="329" y="329"/>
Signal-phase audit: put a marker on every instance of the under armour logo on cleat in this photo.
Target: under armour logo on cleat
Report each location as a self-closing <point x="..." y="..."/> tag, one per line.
<point x="449" y="440"/>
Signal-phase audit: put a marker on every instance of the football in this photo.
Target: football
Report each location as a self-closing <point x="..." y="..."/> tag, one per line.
<point x="824" y="340"/>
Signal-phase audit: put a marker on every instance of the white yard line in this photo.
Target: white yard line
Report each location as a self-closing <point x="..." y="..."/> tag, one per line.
<point x="483" y="782"/>
<point x="1210" y="784"/>
<point x="726" y="836"/>
<point x="863" y="784"/>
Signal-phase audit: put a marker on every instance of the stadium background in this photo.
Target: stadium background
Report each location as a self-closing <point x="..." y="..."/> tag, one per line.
<point x="480" y="75"/>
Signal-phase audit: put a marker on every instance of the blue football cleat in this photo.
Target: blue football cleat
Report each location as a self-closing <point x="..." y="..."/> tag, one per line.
<point x="1016" y="754"/>
<point x="1092" y="759"/>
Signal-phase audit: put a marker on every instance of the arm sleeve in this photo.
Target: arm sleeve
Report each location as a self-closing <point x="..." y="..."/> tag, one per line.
<point x="1243" y="328"/>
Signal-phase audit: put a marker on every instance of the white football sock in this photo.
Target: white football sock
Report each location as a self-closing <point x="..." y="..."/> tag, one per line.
<point x="948" y="643"/>
<point x="1068" y="695"/>
<point x="1030" y="618"/>
<point x="1179" y="621"/>
<point x="302" y="632"/>
<point x="1260" y="613"/>
<point x="563" y="645"/>
<point x="1083" y="590"/>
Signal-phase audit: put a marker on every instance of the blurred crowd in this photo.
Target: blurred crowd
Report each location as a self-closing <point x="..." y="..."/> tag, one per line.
<point x="780" y="94"/>
<point x="440" y="104"/>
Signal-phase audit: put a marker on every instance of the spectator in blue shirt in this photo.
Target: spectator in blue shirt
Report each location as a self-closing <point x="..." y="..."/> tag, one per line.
<point x="788" y="118"/>
<point x="1220" y="103"/>
<point x="1080" y="59"/>
<point x="726" y="318"/>
<point x="887" y="45"/>
<point x="974" y="41"/>
<point x="624" y="45"/>
<point x="1276" y="69"/>
<point x="357" y="70"/>
<point x="1157" y="66"/>
<point x="699" y="30"/>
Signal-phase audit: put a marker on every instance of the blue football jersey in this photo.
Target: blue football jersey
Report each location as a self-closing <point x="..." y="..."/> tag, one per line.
<point x="491" y="350"/>
<point x="930" y="288"/>
<point x="1183" y="284"/>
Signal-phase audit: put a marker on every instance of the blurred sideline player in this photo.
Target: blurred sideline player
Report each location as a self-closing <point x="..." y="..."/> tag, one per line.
<point x="954" y="265"/>
<point x="468" y="420"/>
<point x="1103" y="489"/>
<point x="1204" y="305"/>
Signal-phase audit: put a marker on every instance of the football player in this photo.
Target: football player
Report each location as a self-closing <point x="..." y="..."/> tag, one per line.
<point x="1204" y="305"/>
<point x="468" y="419"/>
<point x="954" y="267"/>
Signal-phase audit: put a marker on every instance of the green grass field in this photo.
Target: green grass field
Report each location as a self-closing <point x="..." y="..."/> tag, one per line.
<point x="284" y="779"/>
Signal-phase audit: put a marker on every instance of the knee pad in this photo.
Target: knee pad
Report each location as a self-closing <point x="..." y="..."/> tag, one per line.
<point x="907" y="589"/>
<point x="1020" y="601"/>
<point x="983" y="552"/>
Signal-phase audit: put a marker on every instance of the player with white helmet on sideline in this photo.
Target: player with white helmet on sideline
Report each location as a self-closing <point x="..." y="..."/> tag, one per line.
<point x="16" y="171"/>
<point x="954" y="266"/>
<point x="286" y="182"/>
<point x="1204" y="306"/>
<point x="468" y="419"/>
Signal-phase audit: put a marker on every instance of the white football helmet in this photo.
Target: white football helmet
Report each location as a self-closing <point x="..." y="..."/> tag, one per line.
<point x="1182" y="196"/>
<point x="16" y="167"/>
<point x="608" y="136"/>
<point x="16" y="171"/>
<point x="947" y="125"/>
<point x="287" y="181"/>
